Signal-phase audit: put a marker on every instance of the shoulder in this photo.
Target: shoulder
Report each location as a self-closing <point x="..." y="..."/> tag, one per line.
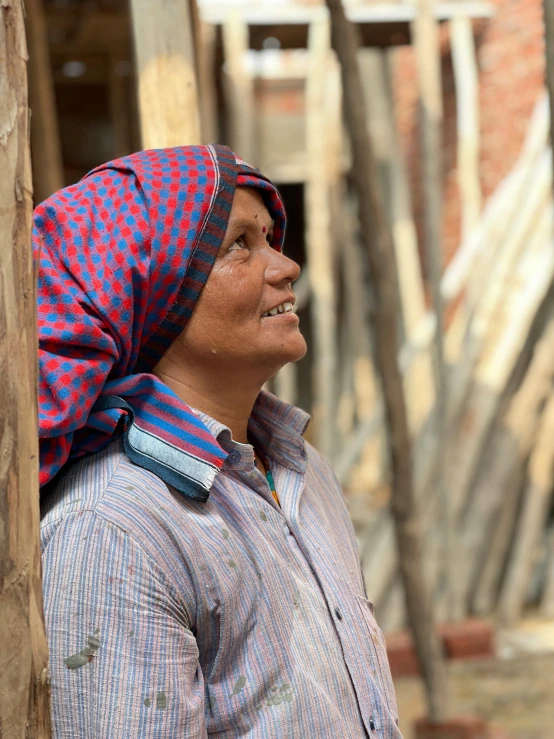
<point x="118" y="494"/>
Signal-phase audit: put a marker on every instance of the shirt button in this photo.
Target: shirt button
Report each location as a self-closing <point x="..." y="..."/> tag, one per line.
<point x="234" y="456"/>
<point x="338" y="614"/>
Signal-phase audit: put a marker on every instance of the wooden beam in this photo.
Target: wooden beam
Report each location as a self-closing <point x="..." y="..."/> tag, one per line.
<point x="548" y="9"/>
<point x="376" y="72"/>
<point x="427" y="53"/>
<point x="164" y="50"/>
<point x="502" y="471"/>
<point x="319" y="248"/>
<point x="467" y="114"/>
<point x="531" y="522"/>
<point x="24" y="688"/>
<point x="118" y="87"/>
<point x="207" y="83"/>
<point x="45" y="136"/>
<point x="377" y="239"/>
<point x="239" y="90"/>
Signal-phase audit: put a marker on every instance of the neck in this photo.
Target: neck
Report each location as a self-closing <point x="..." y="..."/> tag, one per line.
<point x="226" y="401"/>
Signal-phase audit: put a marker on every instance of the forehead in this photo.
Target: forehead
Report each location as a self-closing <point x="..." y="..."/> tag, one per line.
<point x="248" y="203"/>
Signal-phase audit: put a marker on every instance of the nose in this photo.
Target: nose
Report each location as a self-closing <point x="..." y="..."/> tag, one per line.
<point x="281" y="268"/>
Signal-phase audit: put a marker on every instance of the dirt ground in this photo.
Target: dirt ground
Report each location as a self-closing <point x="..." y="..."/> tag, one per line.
<point x="515" y="691"/>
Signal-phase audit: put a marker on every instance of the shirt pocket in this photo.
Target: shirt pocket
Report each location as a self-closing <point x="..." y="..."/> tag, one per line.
<point x="379" y="654"/>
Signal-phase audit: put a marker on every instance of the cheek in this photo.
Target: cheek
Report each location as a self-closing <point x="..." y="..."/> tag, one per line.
<point x="233" y="291"/>
<point x="228" y="305"/>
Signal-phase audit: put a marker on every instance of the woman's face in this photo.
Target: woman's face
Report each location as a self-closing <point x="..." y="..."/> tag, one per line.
<point x="229" y="325"/>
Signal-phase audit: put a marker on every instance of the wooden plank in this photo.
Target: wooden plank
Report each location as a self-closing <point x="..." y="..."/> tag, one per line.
<point x="207" y="83"/>
<point x="427" y="54"/>
<point x="164" y="50"/>
<point x="239" y="90"/>
<point x="531" y="522"/>
<point x="375" y="67"/>
<point x="119" y="108"/>
<point x="319" y="248"/>
<point x="505" y="460"/>
<point x="48" y="174"/>
<point x="547" y="601"/>
<point x="378" y="241"/>
<point x="467" y="115"/>
<point x="548" y="10"/>
<point x="24" y="687"/>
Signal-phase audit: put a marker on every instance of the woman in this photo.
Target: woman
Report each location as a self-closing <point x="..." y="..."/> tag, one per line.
<point x="200" y="570"/>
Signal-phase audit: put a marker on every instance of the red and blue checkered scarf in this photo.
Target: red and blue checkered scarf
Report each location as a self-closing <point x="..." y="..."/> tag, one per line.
<point x="124" y="255"/>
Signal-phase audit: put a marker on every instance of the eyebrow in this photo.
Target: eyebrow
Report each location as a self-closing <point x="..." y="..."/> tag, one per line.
<point x="249" y="223"/>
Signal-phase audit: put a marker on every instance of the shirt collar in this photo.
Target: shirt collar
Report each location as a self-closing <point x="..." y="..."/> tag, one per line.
<point x="277" y="426"/>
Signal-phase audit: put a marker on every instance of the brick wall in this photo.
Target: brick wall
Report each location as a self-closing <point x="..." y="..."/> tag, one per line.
<point x="510" y="54"/>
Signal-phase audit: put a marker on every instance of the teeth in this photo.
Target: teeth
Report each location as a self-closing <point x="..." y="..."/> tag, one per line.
<point x="283" y="308"/>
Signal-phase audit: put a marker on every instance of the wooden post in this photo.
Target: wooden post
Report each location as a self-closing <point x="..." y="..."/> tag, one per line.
<point x="45" y="136"/>
<point x="239" y="89"/>
<point x="24" y="688"/>
<point x="319" y="248"/>
<point x="119" y="107"/>
<point x="549" y="46"/>
<point x="164" y="49"/>
<point x="377" y="239"/>
<point x="427" y="53"/>
<point x="467" y="112"/>
<point x="532" y="519"/>
<point x="418" y="378"/>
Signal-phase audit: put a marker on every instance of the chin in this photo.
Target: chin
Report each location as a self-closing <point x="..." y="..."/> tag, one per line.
<point x="293" y="351"/>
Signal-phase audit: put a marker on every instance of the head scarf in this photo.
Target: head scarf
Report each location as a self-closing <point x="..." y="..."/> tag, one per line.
<point x="123" y="257"/>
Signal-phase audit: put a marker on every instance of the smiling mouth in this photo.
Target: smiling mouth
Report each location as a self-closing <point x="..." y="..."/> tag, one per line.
<point x="278" y="310"/>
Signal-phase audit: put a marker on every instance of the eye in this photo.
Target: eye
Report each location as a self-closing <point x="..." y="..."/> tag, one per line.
<point x="237" y="244"/>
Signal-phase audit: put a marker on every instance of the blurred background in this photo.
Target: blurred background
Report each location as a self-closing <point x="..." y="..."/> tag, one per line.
<point x="477" y="358"/>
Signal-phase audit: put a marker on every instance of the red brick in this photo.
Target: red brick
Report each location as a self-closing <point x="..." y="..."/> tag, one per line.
<point x="401" y="654"/>
<point x="464" y="640"/>
<point x="468" y="639"/>
<point x="462" y="727"/>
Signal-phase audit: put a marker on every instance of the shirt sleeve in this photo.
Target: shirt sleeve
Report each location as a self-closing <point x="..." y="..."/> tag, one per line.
<point x="123" y="661"/>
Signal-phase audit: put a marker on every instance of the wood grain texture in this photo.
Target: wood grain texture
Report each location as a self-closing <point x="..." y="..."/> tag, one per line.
<point x="24" y="693"/>
<point x="378" y="242"/>
<point x="167" y="89"/>
<point x="45" y="135"/>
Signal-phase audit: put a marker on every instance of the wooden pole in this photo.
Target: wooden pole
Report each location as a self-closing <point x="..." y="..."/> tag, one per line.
<point x="467" y="113"/>
<point x="45" y="135"/>
<point x="24" y="688"/>
<point x="239" y="89"/>
<point x="167" y="91"/>
<point x="426" y="41"/>
<point x="319" y="247"/>
<point x="548" y="6"/>
<point x="378" y="241"/>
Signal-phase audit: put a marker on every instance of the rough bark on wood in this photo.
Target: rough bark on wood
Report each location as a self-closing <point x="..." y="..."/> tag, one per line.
<point x="24" y="690"/>
<point x="378" y="241"/>
<point x="164" y="50"/>
<point x="45" y="136"/>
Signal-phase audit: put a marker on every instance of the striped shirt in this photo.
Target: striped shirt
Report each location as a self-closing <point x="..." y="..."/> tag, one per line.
<point x="170" y="618"/>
